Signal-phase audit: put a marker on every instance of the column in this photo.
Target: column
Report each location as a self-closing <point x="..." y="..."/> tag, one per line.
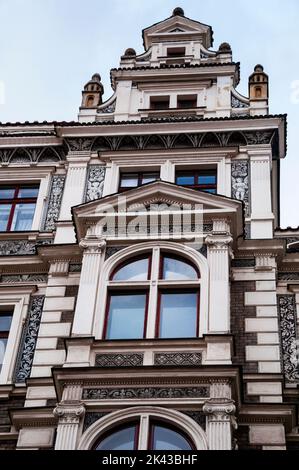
<point x="220" y="422"/>
<point x="261" y="201"/>
<point x="72" y="196"/>
<point x="70" y="413"/>
<point x="94" y="248"/>
<point x="219" y="253"/>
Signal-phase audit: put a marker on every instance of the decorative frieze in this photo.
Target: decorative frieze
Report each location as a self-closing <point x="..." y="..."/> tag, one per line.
<point x="54" y="203"/>
<point x="144" y="393"/>
<point x="32" y="154"/>
<point x="17" y="247"/>
<point x="13" y="278"/>
<point x="81" y="144"/>
<point x="288" y="331"/>
<point x="95" y="182"/>
<point x="29" y="339"/>
<point x="119" y="360"/>
<point x="177" y="359"/>
<point x="240" y="182"/>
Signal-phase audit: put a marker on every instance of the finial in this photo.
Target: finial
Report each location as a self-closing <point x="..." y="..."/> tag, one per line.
<point x="178" y="12"/>
<point x="258" y="68"/>
<point x="225" y="47"/>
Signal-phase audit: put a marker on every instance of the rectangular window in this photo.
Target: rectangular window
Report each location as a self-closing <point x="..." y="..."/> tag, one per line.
<point x="187" y="101"/>
<point x="159" y="102"/>
<point x="176" y="51"/>
<point x="127" y="316"/>
<point x="203" y="180"/>
<point x="5" y="322"/>
<point x="17" y="207"/>
<point x="178" y="315"/>
<point x="133" y="180"/>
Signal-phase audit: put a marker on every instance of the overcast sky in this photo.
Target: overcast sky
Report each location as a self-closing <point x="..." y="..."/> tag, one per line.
<point x="50" y="48"/>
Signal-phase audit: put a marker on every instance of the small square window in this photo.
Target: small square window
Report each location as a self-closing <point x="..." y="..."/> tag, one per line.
<point x="159" y="102"/>
<point x="187" y="101"/>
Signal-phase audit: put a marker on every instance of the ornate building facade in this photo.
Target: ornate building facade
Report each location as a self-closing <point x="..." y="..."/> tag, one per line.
<point x="149" y="299"/>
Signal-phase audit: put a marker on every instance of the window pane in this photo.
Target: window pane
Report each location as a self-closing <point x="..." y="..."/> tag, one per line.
<point x="28" y="192"/>
<point x="212" y="191"/>
<point x="135" y="271"/>
<point x="126" y="316"/>
<point x="4" y="216"/>
<point x="3" y="343"/>
<point x="185" y="180"/>
<point x="149" y="177"/>
<point x="124" y="439"/>
<point x="178" y="315"/>
<point x="129" y="181"/>
<point x="7" y="193"/>
<point x="168" y="439"/>
<point x="5" y="322"/>
<point x="23" y="217"/>
<point x="176" y="269"/>
<point x="206" y="179"/>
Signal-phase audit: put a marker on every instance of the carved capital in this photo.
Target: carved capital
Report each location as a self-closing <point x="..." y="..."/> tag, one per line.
<point x="265" y="261"/>
<point x="220" y="410"/>
<point x="93" y="246"/>
<point x="69" y="414"/>
<point x="216" y="242"/>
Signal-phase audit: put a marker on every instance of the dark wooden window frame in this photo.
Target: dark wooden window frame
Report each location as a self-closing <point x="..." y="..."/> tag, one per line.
<point x="15" y="200"/>
<point x="140" y="175"/>
<point x="197" y="173"/>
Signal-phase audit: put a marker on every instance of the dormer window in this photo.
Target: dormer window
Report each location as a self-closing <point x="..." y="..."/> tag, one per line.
<point x="187" y="101"/>
<point x="159" y="102"/>
<point x="176" y="52"/>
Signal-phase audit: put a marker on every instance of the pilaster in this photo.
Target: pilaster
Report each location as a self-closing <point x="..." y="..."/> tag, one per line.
<point x="70" y="416"/>
<point x="220" y="422"/>
<point x="219" y="253"/>
<point x="92" y="261"/>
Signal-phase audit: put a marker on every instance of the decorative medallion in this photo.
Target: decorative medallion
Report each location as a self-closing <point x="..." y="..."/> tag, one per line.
<point x="54" y="203"/>
<point x="29" y="339"/>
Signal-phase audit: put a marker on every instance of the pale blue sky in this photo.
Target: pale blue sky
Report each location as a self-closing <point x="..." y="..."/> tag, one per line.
<point x="50" y="48"/>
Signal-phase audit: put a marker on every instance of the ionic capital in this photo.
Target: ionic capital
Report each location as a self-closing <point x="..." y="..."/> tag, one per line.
<point x="93" y="246"/>
<point x="220" y="409"/>
<point x="69" y="414"/>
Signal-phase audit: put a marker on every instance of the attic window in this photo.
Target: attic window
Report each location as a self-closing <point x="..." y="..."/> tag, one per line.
<point x="187" y="101"/>
<point x="176" y="52"/>
<point x="159" y="102"/>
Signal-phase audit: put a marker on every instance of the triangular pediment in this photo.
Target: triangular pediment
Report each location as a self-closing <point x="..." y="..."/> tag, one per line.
<point x="158" y="196"/>
<point x="181" y="25"/>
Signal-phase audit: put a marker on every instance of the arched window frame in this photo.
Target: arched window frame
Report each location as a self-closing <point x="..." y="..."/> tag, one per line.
<point x="136" y="251"/>
<point x="144" y="414"/>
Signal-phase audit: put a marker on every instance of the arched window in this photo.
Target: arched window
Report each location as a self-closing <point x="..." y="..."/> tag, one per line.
<point x="154" y="295"/>
<point x="89" y="101"/>
<point x="158" y="435"/>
